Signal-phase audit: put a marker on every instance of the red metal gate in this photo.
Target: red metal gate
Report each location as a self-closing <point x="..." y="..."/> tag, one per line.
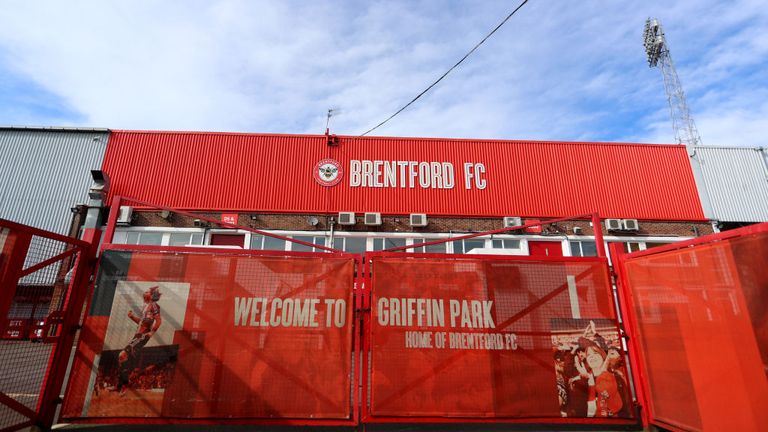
<point x="384" y="337"/>
<point x="698" y="313"/>
<point x="493" y="339"/>
<point x="210" y="336"/>
<point x="43" y="285"/>
<point x="328" y="338"/>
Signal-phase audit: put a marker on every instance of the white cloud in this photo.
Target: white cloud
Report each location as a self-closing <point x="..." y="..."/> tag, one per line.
<point x="566" y="70"/>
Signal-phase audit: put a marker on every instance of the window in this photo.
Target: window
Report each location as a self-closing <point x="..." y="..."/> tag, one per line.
<point x="505" y="244"/>
<point x="184" y="239"/>
<point x="159" y="238"/>
<point x="435" y="248"/>
<point x="144" y="238"/>
<point x="350" y="244"/>
<point x="271" y="243"/>
<point x="318" y="240"/>
<point x="583" y="248"/>
<point x="464" y="246"/>
<point x="266" y="243"/>
<point x="387" y="243"/>
<point x="261" y="242"/>
<point x="631" y="247"/>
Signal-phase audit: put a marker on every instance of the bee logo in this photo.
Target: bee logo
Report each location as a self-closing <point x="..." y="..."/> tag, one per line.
<point x="328" y="172"/>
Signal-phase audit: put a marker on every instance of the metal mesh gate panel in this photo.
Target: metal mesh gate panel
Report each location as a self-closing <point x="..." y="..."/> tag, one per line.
<point x="701" y="322"/>
<point x="495" y="338"/>
<point x="39" y="290"/>
<point x="216" y="335"/>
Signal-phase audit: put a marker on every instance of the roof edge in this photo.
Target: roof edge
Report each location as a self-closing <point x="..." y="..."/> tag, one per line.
<point x="395" y="138"/>
<point x="54" y="128"/>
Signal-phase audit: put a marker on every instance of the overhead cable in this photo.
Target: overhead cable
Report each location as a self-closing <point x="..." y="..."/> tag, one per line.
<point x="448" y="71"/>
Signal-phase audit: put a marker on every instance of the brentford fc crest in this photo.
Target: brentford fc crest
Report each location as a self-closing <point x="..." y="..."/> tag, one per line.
<point x="328" y="172"/>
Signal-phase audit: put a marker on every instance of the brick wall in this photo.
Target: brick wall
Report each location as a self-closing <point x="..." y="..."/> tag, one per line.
<point x="300" y="222"/>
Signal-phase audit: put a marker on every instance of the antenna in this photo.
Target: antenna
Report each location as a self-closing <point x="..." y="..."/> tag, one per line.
<point x="331" y="140"/>
<point x="657" y="50"/>
<point x="331" y="113"/>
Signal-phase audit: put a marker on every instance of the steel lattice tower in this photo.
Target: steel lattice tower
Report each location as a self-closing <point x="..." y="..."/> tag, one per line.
<point x="658" y="55"/>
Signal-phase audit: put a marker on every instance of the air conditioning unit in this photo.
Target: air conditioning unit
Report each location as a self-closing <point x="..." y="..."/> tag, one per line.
<point x="511" y="221"/>
<point x="124" y="215"/>
<point x="614" y="225"/>
<point x="631" y="225"/>
<point x="346" y="218"/>
<point x="418" y="220"/>
<point x="372" y="219"/>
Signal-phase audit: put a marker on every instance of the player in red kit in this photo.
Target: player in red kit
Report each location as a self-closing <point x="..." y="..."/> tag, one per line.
<point x="148" y="323"/>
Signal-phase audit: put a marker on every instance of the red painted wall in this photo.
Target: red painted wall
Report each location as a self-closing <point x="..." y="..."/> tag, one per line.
<point x="273" y="173"/>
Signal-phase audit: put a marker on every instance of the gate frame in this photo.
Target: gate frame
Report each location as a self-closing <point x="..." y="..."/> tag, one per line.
<point x="367" y="418"/>
<point x="357" y="316"/>
<point x="361" y="322"/>
<point x="626" y="302"/>
<point x="67" y="317"/>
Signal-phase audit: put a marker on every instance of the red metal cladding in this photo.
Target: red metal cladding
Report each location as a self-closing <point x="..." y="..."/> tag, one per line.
<point x="275" y="173"/>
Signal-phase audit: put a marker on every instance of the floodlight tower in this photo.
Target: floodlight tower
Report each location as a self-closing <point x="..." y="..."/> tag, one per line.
<point x="658" y="55"/>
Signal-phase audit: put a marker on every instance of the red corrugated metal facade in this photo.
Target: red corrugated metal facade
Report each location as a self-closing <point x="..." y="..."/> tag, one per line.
<point x="274" y="173"/>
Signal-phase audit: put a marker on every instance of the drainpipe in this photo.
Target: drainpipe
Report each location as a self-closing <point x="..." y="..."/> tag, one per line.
<point x="331" y="223"/>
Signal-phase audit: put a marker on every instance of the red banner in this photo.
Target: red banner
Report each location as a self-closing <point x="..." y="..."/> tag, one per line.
<point x="495" y="338"/>
<point x="210" y="335"/>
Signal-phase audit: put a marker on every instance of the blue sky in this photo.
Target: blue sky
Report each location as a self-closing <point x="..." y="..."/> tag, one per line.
<point x="558" y="70"/>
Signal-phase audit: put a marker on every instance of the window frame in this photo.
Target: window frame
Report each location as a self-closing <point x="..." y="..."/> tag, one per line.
<point x="120" y="237"/>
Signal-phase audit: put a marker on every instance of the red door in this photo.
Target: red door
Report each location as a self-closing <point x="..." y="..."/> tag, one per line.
<point x="236" y="240"/>
<point x="545" y="248"/>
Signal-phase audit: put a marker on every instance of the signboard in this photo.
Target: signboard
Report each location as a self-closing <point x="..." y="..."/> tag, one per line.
<point x="230" y="218"/>
<point x="207" y="335"/>
<point x="495" y="338"/>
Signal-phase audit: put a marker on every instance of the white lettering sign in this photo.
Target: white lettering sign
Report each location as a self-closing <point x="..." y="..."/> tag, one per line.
<point x="414" y="174"/>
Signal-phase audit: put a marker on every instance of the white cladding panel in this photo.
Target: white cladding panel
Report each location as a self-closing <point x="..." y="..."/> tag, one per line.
<point x="735" y="180"/>
<point x="45" y="171"/>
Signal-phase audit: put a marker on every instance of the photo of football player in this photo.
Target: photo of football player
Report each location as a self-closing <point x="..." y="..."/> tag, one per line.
<point x="589" y="368"/>
<point x="148" y="323"/>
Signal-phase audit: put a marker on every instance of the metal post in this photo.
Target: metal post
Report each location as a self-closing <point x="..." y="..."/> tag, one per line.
<point x="114" y="210"/>
<point x="72" y="309"/>
<point x="629" y="325"/>
<point x="598" y="230"/>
